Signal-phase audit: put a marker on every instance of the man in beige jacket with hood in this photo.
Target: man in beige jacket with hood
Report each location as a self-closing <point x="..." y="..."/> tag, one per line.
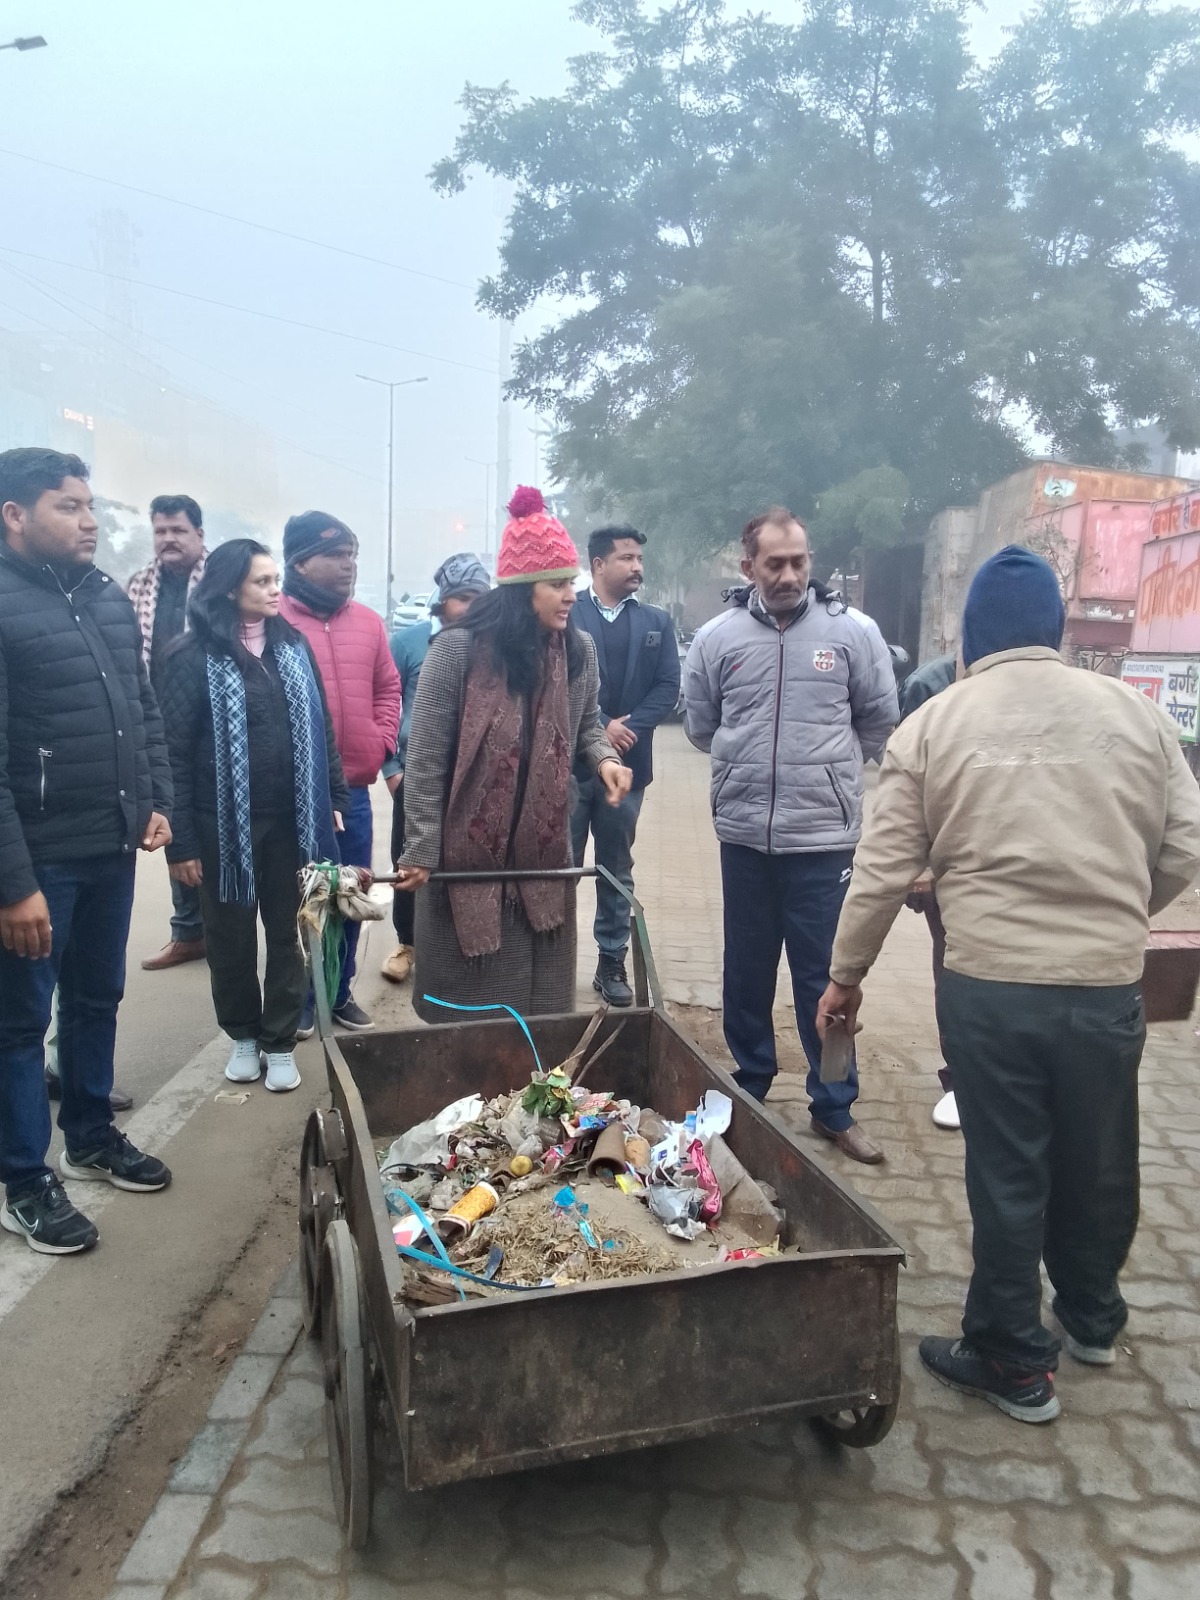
<point x="1056" y="813"/>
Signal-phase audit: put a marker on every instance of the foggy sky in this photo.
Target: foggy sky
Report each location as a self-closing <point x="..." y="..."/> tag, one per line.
<point x="320" y="120"/>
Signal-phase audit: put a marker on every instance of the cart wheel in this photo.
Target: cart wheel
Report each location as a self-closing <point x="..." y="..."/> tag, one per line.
<point x="347" y="1396"/>
<point x="319" y="1205"/>
<point x="860" y="1426"/>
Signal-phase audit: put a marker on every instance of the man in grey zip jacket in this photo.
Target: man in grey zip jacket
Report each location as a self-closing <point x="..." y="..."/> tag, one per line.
<point x="790" y="690"/>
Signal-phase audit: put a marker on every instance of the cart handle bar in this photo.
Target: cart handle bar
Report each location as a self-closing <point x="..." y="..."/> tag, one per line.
<point x="504" y="873"/>
<point x="645" y="973"/>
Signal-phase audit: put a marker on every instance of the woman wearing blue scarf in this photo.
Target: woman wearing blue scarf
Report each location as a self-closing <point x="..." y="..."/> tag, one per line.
<point x="258" y="786"/>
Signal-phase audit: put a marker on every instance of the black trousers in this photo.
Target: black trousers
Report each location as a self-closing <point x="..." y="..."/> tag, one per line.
<point x="404" y="903"/>
<point x="244" y="1011"/>
<point x="1046" y="1082"/>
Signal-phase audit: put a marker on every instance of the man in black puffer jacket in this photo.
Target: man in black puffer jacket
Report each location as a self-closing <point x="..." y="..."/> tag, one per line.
<point x="84" y="784"/>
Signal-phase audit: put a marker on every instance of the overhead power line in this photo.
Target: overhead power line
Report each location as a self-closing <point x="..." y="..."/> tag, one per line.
<point x="140" y="371"/>
<point x="247" y="311"/>
<point x="242" y="222"/>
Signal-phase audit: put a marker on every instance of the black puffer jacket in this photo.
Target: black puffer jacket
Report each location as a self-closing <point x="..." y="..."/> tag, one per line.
<point x="82" y="757"/>
<point x="187" y="713"/>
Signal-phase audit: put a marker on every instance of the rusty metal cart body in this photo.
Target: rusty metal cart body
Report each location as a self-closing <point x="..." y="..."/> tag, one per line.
<point x="495" y="1385"/>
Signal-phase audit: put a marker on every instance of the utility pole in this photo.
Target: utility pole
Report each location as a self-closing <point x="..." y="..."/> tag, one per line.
<point x="504" y="486"/>
<point x="538" y="435"/>
<point x="487" y="503"/>
<point x="391" y="387"/>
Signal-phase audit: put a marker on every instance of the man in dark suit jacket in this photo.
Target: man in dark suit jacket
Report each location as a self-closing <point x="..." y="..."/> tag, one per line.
<point x="639" y="686"/>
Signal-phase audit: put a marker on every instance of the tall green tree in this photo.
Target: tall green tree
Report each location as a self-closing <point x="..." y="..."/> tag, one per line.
<point x="841" y="265"/>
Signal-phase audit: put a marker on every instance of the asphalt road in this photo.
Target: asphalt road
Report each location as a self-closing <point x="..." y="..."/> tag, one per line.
<point x="81" y="1337"/>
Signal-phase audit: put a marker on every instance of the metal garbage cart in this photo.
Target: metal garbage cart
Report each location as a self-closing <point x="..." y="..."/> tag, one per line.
<point x="496" y="1385"/>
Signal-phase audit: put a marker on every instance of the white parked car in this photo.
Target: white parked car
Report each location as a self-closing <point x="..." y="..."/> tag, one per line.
<point x="412" y="608"/>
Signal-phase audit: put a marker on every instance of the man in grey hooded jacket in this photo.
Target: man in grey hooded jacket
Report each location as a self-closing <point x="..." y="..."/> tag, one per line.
<point x="789" y="689"/>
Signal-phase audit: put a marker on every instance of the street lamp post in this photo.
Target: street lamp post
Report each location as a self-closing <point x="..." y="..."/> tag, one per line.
<point x="35" y="43"/>
<point x="391" y="388"/>
<point x="488" y="468"/>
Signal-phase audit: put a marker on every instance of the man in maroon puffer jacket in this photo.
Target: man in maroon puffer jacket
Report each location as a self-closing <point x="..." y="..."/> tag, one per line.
<point x="362" y="687"/>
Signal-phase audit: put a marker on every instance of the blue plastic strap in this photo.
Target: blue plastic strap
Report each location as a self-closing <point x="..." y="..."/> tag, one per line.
<point x="451" y="1006"/>
<point x="433" y="1235"/>
<point x="461" y="1272"/>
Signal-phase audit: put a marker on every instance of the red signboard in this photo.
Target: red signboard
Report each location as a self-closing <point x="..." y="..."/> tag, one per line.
<point x="1180" y="515"/>
<point x="1168" y="602"/>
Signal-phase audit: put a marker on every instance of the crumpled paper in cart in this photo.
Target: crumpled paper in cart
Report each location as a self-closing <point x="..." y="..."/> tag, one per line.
<point x="428" y="1144"/>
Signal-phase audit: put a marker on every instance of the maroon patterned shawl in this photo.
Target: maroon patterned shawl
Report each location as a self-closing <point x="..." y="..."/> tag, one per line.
<point x="483" y="828"/>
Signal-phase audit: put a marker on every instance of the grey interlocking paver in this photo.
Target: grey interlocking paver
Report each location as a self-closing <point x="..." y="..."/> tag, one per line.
<point x="998" y="1480"/>
<point x="205" y="1464"/>
<point x="895" y="1525"/>
<point x="244" y="1389"/>
<point x="699" y="1553"/>
<point x="276" y="1330"/>
<point x="254" y="1539"/>
<point x="1164" y="1529"/>
<point x="1101" y="1467"/>
<point x="291" y="1425"/>
<point x="1069" y="1546"/>
<point x="775" y="1557"/>
<point x="622" y="1568"/>
<point x="269" y="1485"/>
<point x="213" y="1583"/>
<point x="957" y="1503"/>
<point x="165" y="1540"/>
<point x="893" y="1577"/>
<point x="1161" y="1580"/>
<point x="990" y="1545"/>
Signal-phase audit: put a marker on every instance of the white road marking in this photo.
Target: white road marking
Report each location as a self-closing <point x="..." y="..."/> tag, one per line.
<point x="150" y="1128"/>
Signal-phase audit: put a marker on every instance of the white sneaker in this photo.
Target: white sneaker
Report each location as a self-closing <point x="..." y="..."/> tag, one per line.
<point x="1092" y="1355"/>
<point x="244" y="1065"/>
<point x="282" y="1072"/>
<point x="945" y="1113"/>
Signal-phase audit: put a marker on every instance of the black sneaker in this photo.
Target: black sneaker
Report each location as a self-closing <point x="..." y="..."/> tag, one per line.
<point x="48" y="1221"/>
<point x="352" y="1016"/>
<point x="308" y="1019"/>
<point x="610" y="982"/>
<point x="120" y="1163"/>
<point x="1027" y="1396"/>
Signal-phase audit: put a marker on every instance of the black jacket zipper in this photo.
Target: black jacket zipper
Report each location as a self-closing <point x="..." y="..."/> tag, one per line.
<point x="775" y="742"/>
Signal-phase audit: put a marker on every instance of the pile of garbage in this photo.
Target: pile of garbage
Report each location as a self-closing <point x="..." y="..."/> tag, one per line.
<point x="558" y="1184"/>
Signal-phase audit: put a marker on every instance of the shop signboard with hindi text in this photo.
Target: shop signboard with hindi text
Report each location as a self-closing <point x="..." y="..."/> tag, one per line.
<point x="1173" y="684"/>
<point x="1167" y="622"/>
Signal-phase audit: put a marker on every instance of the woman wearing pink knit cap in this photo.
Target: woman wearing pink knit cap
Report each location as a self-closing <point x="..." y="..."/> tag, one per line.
<point x="507" y="699"/>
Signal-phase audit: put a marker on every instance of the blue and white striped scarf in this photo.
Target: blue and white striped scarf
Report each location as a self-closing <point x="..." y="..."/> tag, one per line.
<point x="314" y="811"/>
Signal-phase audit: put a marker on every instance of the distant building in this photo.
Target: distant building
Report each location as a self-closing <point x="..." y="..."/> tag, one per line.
<point x="1089" y="522"/>
<point x="141" y="431"/>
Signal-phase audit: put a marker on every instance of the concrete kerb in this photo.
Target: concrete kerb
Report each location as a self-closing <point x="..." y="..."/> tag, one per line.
<point x="160" y="1550"/>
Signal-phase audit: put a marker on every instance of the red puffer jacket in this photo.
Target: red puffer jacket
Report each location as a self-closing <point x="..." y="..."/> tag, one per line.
<point x="362" y="685"/>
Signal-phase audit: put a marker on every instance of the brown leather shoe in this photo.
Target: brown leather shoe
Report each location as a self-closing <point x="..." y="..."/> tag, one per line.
<point x="852" y="1142"/>
<point x="118" y="1099"/>
<point x="175" y="954"/>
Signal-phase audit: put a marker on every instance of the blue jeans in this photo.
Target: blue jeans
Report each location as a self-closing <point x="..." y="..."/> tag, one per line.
<point x="772" y="903"/>
<point x="90" y="903"/>
<point x="613" y="828"/>
<point x="187" y="925"/>
<point x="354" y="848"/>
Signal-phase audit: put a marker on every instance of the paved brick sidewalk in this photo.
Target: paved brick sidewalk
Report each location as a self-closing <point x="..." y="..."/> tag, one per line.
<point x="958" y="1503"/>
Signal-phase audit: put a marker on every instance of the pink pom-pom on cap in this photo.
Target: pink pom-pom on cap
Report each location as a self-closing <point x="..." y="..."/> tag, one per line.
<point x="526" y="502"/>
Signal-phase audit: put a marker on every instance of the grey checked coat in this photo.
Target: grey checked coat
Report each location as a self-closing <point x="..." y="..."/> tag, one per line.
<point x="532" y="972"/>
